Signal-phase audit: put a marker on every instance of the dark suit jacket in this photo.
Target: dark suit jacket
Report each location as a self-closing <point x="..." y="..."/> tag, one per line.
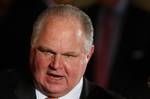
<point x="19" y="86"/>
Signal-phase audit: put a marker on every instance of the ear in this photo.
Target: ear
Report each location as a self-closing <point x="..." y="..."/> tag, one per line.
<point x="90" y="53"/>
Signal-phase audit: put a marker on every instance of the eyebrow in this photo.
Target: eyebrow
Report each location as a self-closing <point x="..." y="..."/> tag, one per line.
<point x="43" y="48"/>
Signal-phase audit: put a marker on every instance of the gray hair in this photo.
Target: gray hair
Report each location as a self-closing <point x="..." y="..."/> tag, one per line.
<point x="65" y="11"/>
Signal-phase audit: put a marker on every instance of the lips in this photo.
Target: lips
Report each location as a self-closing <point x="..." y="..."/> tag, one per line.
<point x="55" y="76"/>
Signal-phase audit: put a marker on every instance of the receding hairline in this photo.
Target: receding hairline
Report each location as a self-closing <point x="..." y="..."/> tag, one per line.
<point x="66" y="11"/>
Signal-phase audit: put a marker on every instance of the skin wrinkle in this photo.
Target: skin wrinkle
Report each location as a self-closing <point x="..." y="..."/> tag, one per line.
<point x="61" y="47"/>
<point x="67" y="38"/>
<point x="66" y="20"/>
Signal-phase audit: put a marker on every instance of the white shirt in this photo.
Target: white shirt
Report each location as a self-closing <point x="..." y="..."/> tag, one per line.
<point x="73" y="94"/>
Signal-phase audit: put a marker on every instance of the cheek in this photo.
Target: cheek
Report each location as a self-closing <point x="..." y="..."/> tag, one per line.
<point x="41" y="62"/>
<point x="77" y="68"/>
<point x="39" y="66"/>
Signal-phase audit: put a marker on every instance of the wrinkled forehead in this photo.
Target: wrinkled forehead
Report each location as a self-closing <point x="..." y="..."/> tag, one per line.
<point x="61" y="34"/>
<point x="62" y="27"/>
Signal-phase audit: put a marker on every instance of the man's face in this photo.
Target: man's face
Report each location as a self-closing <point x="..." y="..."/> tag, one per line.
<point x="58" y="57"/>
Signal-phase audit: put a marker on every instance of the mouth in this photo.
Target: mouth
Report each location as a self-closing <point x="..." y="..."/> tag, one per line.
<point x="55" y="76"/>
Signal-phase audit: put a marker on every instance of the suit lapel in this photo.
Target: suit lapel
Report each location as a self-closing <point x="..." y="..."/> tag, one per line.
<point x="85" y="89"/>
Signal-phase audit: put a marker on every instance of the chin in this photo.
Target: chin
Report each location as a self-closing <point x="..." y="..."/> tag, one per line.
<point x="58" y="92"/>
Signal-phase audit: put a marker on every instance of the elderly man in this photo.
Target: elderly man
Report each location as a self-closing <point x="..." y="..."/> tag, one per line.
<point x="61" y="47"/>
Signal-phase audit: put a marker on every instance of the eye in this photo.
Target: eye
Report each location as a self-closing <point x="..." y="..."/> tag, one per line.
<point x="48" y="53"/>
<point x="45" y="51"/>
<point x="70" y="55"/>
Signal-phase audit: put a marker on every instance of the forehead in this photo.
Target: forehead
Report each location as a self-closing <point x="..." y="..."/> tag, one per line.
<point x="60" y="31"/>
<point x="62" y="25"/>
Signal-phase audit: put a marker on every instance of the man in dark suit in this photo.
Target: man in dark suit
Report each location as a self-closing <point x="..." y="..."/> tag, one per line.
<point x="61" y="47"/>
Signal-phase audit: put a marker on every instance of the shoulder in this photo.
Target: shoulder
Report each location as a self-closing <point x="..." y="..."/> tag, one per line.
<point x="94" y="91"/>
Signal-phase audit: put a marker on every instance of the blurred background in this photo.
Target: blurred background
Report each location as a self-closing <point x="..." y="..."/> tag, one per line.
<point x="121" y="32"/>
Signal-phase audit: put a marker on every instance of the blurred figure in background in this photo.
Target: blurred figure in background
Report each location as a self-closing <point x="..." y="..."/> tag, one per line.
<point x="122" y="52"/>
<point x="107" y="20"/>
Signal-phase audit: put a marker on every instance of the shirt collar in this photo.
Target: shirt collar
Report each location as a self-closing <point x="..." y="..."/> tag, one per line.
<point x="39" y="95"/>
<point x="73" y="94"/>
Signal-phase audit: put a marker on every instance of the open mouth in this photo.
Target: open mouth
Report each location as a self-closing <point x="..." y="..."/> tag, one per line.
<point x="55" y="76"/>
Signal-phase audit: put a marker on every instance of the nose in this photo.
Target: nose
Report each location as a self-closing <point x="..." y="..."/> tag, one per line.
<point x="55" y="62"/>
